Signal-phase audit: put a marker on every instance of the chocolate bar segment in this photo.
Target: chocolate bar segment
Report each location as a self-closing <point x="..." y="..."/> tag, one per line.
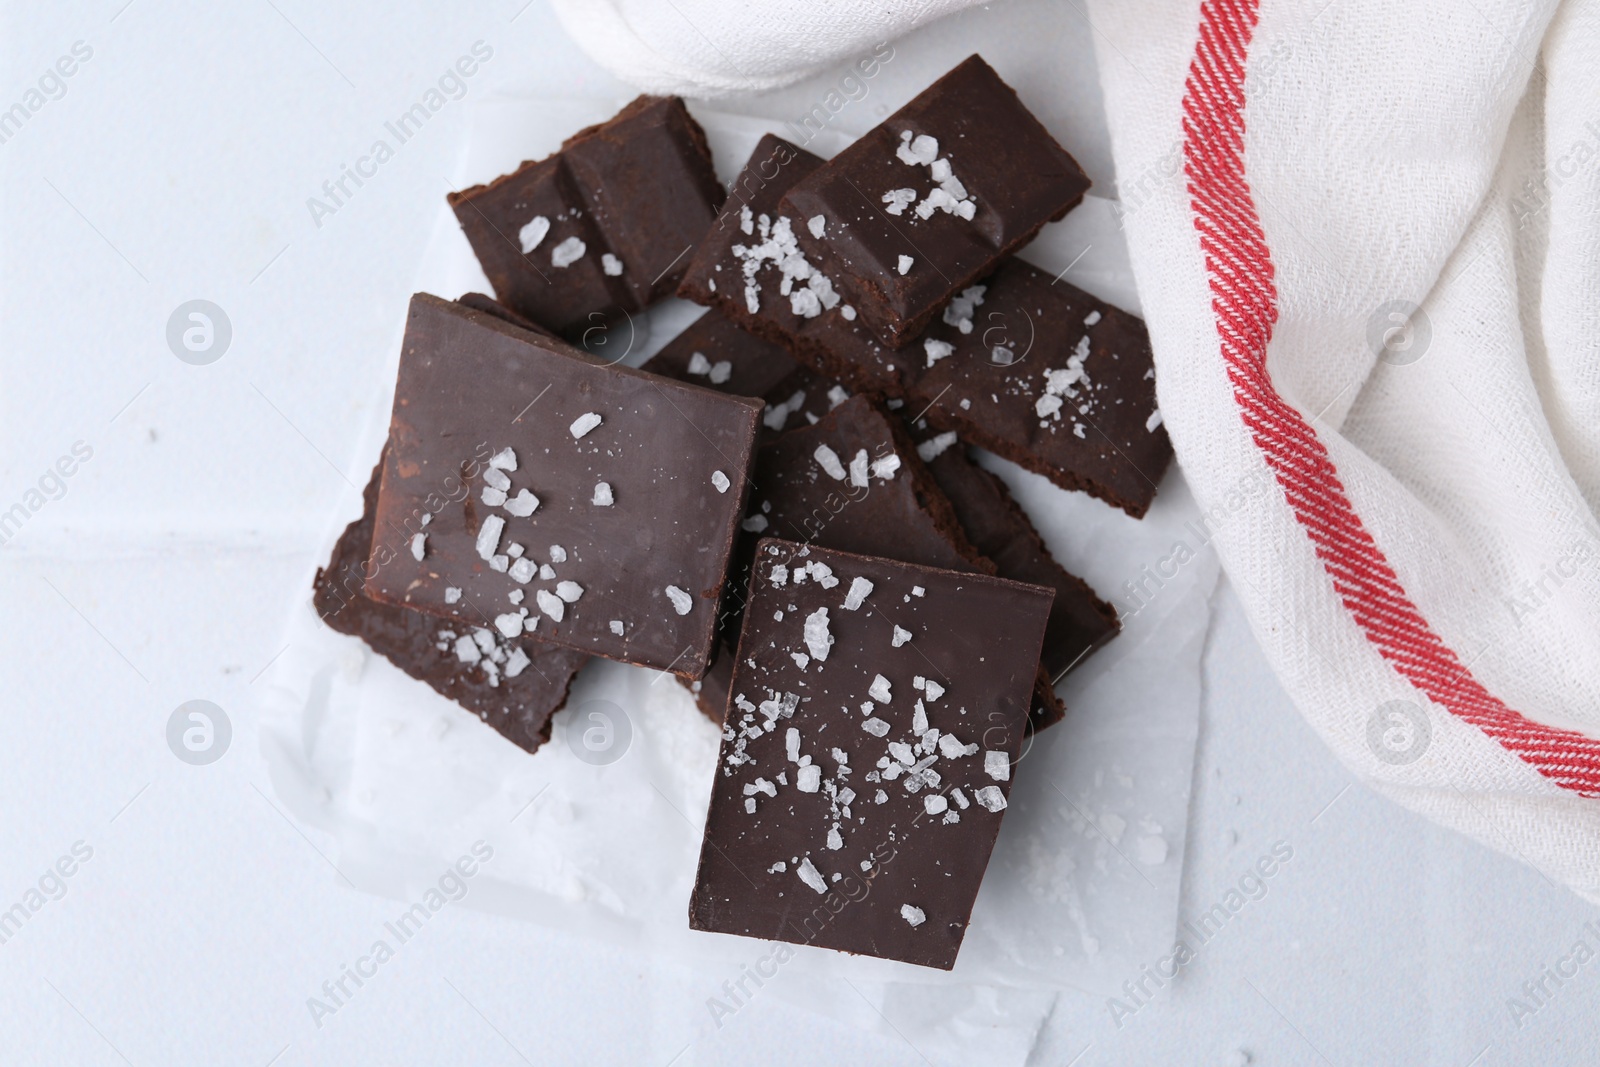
<point x="928" y="202"/>
<point x="601" y="505"/>
<point x="878" y="710"/>
<point x="1052" y="379"/>
<point x="514" y="685"/>
<point x="600" y="229"/>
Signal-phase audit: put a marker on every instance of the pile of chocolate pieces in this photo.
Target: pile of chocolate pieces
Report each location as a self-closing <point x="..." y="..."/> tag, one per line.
<point x="779" y="508"/>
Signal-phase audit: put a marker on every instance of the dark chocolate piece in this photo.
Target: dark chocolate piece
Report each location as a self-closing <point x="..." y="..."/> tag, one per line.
<point x="603" y="227"/>
<point x="878" y="708"/>
<point x="929" y="201"/>
<point x="995" y="523"/>
<point x="514" y="685"/>
<point x="716" y="353"/>
<point x="1032" y="369"/>
<point x="1052" y="379"/>
<point x="602" y="501"/>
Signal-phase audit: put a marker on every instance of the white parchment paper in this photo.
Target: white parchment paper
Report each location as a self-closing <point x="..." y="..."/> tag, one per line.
<point x="1083" y="887"/>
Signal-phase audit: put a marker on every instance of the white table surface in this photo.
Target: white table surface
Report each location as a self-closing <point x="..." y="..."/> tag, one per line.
<point x="177" y="165"/>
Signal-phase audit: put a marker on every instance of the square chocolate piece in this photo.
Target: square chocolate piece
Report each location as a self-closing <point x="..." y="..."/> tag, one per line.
<point x="513" y="684"/>
<point x="878" y="709"/>
<point x="601" y="502"/>
<point x="929" y="201"/>
<point x="603" y="227"/>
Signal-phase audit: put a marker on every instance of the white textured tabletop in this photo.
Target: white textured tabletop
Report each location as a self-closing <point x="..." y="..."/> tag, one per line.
<point x="175" y="163"/>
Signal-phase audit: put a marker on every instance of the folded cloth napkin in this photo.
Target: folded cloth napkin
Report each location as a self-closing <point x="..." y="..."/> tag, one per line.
<point x="1367" y="240"/>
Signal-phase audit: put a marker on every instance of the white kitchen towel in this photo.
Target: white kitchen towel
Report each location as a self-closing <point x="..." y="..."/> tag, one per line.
<point x="1367" y="240"/>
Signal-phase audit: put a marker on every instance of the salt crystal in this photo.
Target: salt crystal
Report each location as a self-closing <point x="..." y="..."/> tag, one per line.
<point x="522" y="505"/>
<point x="496" y="477"/>
<point x="523" y="570"/>
<point x="858" y="469"/>
<point x="616" y="627"/>
<point x="418" y="546"/>
<point x="516" y="596"/>
<point x="835" y="841"/>
<point x="1153" y="423"/>
<point x="467" y="650"/>
<point x="489" y="536"/>
<point x="990" y="798"/>
<point x="517" y="662"/>
<point x="917" y="590"/>
<point x="937" y="349"/>
<point x="914" y="916"/>
<point x="451" y="594"/>
<point x="567" y="252"/>
<point x="505" y="460"/>
<point x="808" y="779"/>
<point x="818" y="639"/>
<point x="754" y="524"/>
<point x="829" y="459"/>
<point x="816" y="224"/>
<point x="900" y="637"/>
<point x="1092" y="318"/>
<point x="569" y="591"/>
<point x="934" y="690"/>
<point x="547" y="572"/>
<point x="778" y="576"/>
<point x="879" y="690"/>
<point x="810" y="875"/>
<point x="876" y="727"/>
<point x="699" y="364"/>
<point x="603" y="497"/>
<point x="584" y="423"/>
<point x="884" y="467"/>
<point x="533" y="233"/>
<point x="997" y="765"/>
<point x="720" y="480"/>
<point x="721" y="371"/>
<point x="509" y="624"/>
<point x="551" y="604"/>
<point x="934" y="447"/>
<point x="610" y="264"/>
<point x="859" y="588"/>
<point x="898" y="200"/>
<point x="492" y="497"/>
<point x="903" y="264"/>
<point x="934" y="804"/>
<point x="558" y="554"/>
<point x="681" y="601"/>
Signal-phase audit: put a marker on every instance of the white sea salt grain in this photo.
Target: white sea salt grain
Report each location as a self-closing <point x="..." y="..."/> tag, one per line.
<point x="533" y="233"/>
<point x="914" y="916"/>
<point x="876" y="727"/>
<point x="451" y="594"/>
<point x="997" y="765"/>
<point x="551" y="604"/>
<point x="569" y="591"/>
<point x="937" y="349"/>
<point x="817" y="225"/>
<point x="418" y="546"/>
<point x="818" y="639"/>
<point x="584" y="423"/>
<point x="492" y="497"/>
<point x="934" y="804"/>
<point x="884" y="467"/>
<point x="990" y="798"/>
<point x="720" y="480"/>
<point x="505" y="460"/>
<point x="603" y="497"/>
<point x="616" y="627"/>
<point x="879" y="690"/>
<point x="859" y="589"/>
<point x="903" y="265"/>
<point x="858" y="469"/>
<point x="611" y="265"/>
<point x="567" y="252"/>
<point x="810" y="875"/>
<point x="681" y="601"/>
<point x="522" y="505"/>
<point x="829" y="460"/>
<point x="901" y="636"/>
<point x="489" y="536"/>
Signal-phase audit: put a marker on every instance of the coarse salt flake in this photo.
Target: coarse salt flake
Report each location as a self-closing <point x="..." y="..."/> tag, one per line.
<point x="681" y="601"/>
<point x="533" y="233"/>
<point x="720" y="480"/>
<point x="914" y="916"/>
<point x="567" y="252"/>
<point x="997" y="765"/>
<point x="584" y="423"/>
<point x="859" y="588"/>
